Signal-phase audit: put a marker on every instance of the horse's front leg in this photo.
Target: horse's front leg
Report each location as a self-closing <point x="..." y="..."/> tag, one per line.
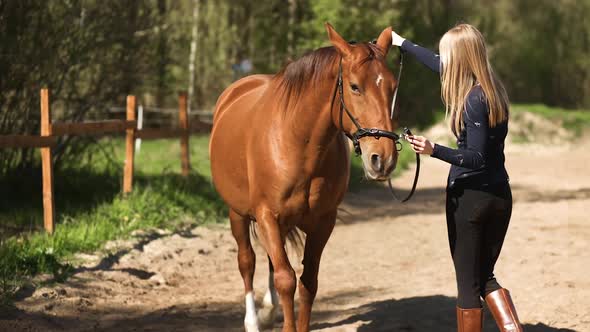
<point x="284" y="275"/>
<point x="270" y="303"/>
<point x="308" y="283"/>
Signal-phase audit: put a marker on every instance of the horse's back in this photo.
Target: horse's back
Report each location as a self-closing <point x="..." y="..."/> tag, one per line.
<point x="227" y="147"/>
<point x="248" y="87"/>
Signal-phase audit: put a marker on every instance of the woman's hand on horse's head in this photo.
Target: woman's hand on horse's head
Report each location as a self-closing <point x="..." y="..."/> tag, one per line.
<point x="396" y="40"/>
<point x="421" y="144"/>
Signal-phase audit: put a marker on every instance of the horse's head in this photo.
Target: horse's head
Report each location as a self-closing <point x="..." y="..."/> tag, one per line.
<point x="368" y="88"/>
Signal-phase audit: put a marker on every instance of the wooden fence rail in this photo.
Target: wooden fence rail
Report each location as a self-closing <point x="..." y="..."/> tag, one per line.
<point x="51" y="130"/>
<point x="92" y="128"/>
<point x="26" y="141"/>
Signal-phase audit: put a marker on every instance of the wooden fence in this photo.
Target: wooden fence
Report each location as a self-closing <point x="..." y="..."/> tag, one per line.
<point x="47" y="140"/>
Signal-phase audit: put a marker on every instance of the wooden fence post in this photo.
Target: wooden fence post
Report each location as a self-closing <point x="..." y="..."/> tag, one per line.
<point x="130" y="147"/>
<point x="47" y="165"/>
<point x="184" y="137"/>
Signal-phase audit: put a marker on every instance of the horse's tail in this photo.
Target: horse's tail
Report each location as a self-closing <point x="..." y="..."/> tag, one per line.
<point x="295" y="240"/>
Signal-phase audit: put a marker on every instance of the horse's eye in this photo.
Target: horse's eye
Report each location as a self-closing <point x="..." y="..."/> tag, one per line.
<point x="355" y="88"/>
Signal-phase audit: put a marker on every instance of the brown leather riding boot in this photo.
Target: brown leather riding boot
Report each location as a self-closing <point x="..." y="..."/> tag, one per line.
<point x="469" y="320"/>
<point x="500" y="304"/>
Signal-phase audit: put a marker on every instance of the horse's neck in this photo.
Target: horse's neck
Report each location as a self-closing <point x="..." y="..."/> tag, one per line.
<point x="310" y="124"/>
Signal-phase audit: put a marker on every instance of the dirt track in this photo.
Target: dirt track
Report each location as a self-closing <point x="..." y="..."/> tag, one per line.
<point x="386" y="267"/>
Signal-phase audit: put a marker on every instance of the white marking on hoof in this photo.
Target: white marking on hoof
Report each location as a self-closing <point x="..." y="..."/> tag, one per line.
<point x="270" y="303"/>
<point x="267" y="316"/>
<point x="268" y="312"/>
<point x="271" y="297"/>
<point x="250" y="320"/>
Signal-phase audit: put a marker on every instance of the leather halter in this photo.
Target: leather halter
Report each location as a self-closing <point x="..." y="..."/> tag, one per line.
<point x="360" y="131"/>
<point x="375" y="132"/>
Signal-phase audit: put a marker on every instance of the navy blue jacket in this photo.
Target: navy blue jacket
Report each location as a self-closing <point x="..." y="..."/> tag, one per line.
<point x="478" y="161"/>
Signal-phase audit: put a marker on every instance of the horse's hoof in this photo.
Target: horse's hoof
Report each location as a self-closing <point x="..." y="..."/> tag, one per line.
<point x="251" y="322"/>
<point x="266" y="316"/>
<point x="251" y="327"/>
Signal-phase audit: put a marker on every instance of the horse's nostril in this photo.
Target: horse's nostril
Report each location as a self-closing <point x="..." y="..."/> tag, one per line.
<point x="376" y="163"/>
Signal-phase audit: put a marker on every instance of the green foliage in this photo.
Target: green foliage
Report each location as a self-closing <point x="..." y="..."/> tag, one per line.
<point x="92" y="53"/>
<point x="354" y="20"/>
<point x="89" y="53"/>
<point x="543" y="53"/>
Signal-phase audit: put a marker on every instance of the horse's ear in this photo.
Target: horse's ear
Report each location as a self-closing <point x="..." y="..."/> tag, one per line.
<point x="384" y="40"/>
<point x="339" y="43"/>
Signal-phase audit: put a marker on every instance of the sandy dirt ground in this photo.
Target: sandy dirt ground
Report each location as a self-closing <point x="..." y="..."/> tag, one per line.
<point x="387" y="266"/>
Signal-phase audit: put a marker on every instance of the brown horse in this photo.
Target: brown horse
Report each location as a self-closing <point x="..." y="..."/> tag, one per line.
<point x="279" y="159"/>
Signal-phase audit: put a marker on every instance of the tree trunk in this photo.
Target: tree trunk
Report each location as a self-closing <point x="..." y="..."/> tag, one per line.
<point x="291" y="27"/>
<point x="162" y="54"/>
<point x="193" y="54"/>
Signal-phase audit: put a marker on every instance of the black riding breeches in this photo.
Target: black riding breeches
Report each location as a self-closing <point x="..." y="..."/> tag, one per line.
<point x="477" y="221"/>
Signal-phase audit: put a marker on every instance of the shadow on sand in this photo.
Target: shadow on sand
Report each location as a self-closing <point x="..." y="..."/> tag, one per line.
<point x="429" y="314"/>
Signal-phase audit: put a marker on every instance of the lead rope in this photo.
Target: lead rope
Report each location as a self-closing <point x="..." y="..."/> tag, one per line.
<point x="406" y="132"/>
<point x="416" y="175"/>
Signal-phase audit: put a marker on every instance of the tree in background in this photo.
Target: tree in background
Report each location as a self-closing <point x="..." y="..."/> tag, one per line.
<point x="92" y="53"/>
<point x="544" y="48"/>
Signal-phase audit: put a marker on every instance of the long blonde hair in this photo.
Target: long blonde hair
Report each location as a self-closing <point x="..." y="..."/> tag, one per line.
<point x="465" y="64"/>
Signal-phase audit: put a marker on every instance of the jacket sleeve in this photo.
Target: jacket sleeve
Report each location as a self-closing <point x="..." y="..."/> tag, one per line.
<point x="424" y="55"/>
<point x="475" y="118"/>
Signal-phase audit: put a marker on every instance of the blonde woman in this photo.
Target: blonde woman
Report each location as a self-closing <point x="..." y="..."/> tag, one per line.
<point x="479" y="199"/>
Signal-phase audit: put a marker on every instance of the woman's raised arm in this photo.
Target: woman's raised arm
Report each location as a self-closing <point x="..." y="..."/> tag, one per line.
<point x="422" y="54"/>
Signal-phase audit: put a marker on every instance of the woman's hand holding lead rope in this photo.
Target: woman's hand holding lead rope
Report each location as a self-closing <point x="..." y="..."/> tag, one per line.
<point x="420" y="144"/>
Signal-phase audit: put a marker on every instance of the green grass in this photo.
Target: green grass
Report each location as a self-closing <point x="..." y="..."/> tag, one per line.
<point x="91" y="210"/>
<point x="576" y="121"/>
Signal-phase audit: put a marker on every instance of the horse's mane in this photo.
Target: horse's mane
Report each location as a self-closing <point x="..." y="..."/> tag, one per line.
<point x="307" y="70"/>
<point x="311" y="68"/>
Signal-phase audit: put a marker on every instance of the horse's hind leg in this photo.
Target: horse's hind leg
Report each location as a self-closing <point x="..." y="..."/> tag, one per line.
<point x="308" y="283"/>
<point x="247" y="263"/>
